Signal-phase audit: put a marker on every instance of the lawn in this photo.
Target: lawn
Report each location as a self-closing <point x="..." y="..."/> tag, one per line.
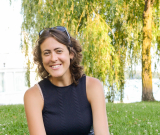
<point x="141" y="118"/>
<point x="13" y="120"/>
<point x="124" y="119"/>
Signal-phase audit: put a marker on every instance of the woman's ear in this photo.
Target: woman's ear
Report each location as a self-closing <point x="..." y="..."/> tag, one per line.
<point x="71" y="55"/>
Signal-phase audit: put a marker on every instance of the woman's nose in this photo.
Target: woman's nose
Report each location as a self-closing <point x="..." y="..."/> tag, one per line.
<point x="54" y="57"/>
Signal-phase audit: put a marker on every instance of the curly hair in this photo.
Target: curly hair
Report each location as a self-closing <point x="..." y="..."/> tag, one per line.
<point x="73" y="46"/>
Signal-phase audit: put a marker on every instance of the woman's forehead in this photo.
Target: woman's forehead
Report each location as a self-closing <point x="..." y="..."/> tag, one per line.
<point x="52" y="43"/>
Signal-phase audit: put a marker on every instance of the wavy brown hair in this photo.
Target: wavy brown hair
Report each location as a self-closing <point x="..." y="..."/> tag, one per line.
<point x="73" y="47"/>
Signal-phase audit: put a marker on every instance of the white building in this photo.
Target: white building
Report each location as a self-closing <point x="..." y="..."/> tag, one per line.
<point x="12" y="78"/>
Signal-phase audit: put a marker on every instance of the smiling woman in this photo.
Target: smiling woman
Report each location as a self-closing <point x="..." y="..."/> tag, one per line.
<point x="62" y="45"/>
<point x="56" y="58"/>
<point x="65" y="101"/>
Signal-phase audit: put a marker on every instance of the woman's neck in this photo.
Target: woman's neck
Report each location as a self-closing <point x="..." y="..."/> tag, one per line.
<point x="61" y="82"/>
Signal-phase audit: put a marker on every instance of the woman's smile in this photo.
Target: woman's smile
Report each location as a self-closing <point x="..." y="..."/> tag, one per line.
<point x="55" y="67"/>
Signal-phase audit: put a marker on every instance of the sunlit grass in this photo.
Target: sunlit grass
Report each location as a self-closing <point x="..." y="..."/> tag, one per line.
<point x="134" y="118"/>
<point x="13" y="120"/>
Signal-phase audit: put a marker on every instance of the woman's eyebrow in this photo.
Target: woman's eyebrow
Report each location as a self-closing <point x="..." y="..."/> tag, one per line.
<point x="46" y="50"/>
<point x="58" y="48"/>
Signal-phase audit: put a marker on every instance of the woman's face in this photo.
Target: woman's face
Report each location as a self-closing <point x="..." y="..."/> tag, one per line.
<point x="55" y="58"/>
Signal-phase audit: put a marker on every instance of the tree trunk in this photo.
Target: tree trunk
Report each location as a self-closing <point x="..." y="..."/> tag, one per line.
<point x="147" y="94"/>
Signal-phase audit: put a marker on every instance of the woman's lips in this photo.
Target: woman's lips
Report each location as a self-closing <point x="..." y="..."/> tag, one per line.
<point x="56" y="66"/>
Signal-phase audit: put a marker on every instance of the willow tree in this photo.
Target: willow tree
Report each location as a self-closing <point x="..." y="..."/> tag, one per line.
<point x="147" y="93"/>
<point x="83" y="22"/>
<point x="132" y="22"/>
<point x="110" y="31"/>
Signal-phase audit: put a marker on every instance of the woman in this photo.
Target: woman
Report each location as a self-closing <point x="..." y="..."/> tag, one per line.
<point x="65" y="102"/>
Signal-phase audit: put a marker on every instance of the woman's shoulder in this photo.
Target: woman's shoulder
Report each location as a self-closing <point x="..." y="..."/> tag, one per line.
<point x="92" y="82"/>
<point x="93" y="88"/>
<point x="33" y="93"/>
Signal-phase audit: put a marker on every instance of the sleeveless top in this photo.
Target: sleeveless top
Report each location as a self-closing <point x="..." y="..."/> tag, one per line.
<point x="66" y="109"/>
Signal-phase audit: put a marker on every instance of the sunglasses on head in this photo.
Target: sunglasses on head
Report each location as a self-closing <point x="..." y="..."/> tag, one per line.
<point x="60" y="28"/>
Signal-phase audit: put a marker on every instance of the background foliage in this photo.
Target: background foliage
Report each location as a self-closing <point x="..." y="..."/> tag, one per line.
<point x="110" y="32"/>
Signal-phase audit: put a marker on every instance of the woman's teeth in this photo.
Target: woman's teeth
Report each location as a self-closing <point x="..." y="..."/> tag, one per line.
<point x="55" y="66"/>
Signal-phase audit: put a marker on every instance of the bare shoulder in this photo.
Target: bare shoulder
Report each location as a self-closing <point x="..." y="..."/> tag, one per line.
<point x="96" y="98"/>
<point x="93" y="84"/>
<point x="91" y="81"/>
<point x="33" y="91"/>
<point x="33" y="95"/>
<point x="93" y="88"/>
<point x="33" y="104"/>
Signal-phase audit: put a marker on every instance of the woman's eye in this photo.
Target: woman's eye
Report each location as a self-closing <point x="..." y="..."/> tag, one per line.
<point x="59" y="51"/>
<point x="46" y="53"/>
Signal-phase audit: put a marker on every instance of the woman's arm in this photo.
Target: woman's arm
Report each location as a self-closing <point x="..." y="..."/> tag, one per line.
<point x="95" y="95"/>
<point x="33" y="104"/>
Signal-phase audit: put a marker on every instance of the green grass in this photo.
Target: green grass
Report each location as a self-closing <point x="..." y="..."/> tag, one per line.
<point x="134" y="119"/>
<point x="13" y="120"/>
<point x="124" y="119"/>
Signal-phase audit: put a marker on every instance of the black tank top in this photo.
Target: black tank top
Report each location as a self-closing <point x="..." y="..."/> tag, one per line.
<point x="66" y="109"/>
